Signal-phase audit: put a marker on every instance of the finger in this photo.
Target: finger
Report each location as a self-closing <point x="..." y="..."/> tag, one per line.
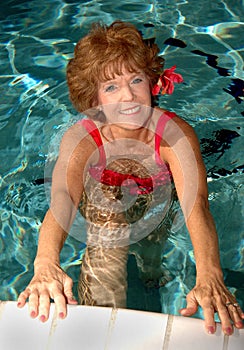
<point x="44" y="306"/>
<point x="33" y="303"/>
<point x="239" y="310"/>
<point x="72" y="301"/>
<point x="60" y="303"/>
<point x="191" y="307"/>
<point x="209" y="322"/>
<point x="21" y="301"/>
<point x="208" y="309"/>
<point x="225" y="318"/>
<point x="68" y="284"/>
<point x="235" y="313"/>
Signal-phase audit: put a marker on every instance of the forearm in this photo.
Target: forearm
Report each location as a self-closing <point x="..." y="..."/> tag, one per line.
<point x="204" y="238"/>
<point x="66" y="194"/>
<point x="54" y="229"/>
<point x="51" y="240"/>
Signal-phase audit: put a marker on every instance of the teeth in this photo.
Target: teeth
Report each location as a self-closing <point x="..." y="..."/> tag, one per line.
<point x="130" y="111"/>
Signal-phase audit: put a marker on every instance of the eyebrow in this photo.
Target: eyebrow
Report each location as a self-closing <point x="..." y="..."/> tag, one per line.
<point x="110" y="81"/>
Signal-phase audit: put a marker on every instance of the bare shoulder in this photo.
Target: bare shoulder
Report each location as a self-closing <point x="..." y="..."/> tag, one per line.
<point x="186" y="128"/>
<point x="76" y="140"/>
<point x="180" y="136"/>
<point x="179" y="129"/>
<point x="180" y="124"/>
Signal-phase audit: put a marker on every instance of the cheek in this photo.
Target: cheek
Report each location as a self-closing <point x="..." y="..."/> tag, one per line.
<point x="109" y="109"/>
<point x="147" y="94"/>
<point x="103" y="99"/>
<point x="99" y="98"/>
<point x="145" y="89"/>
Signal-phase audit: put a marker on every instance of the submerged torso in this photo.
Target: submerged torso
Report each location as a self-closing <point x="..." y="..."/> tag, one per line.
<point x="128" y="190"/>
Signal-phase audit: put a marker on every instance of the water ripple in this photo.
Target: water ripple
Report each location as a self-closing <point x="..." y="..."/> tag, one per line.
<point x="37" y="40"/>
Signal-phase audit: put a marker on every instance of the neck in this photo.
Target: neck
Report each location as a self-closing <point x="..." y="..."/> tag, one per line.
<point x="120" y="131"/>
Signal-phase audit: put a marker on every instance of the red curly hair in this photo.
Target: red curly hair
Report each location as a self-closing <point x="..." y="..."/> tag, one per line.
<point x="117" y="46"/>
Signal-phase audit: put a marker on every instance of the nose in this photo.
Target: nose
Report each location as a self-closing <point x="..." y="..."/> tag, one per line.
<point x="127" y="93"/>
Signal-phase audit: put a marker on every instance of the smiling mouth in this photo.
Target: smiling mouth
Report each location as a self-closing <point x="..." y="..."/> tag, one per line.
<point x="130" y="110"/>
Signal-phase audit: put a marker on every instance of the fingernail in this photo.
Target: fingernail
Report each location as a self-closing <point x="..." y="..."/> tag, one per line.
<point x="33" y="314"/>
<point x="19" y="304"/>
<point x="228" y="330"/>
<point x="61" y="315"/>
<point x="211" y="330"/>
<point x="239" y="324"/>
<point x="42" y="318"/>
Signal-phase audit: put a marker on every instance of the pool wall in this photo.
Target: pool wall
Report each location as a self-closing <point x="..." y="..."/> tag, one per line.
<point x="99" y="328"/>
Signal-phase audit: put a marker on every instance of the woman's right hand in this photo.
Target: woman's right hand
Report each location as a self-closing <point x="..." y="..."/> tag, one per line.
<point x="49" y="282"/>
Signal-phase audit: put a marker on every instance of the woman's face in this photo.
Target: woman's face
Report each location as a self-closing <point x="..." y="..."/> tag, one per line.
<point x="126" y="99"/>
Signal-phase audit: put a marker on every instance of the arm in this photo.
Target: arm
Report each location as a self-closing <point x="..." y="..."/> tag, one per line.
<point x="182" y="152"/>
<point x="49" y="279"/>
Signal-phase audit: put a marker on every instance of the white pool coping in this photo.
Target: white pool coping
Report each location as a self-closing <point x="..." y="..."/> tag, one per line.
<point x="95" y="328"/>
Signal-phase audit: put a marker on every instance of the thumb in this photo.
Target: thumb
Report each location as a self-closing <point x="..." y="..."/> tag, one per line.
<point x="191" y="307"/>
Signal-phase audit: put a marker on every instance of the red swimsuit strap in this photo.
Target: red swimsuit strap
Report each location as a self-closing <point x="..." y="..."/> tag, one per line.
<point x="162" y="121"/>
<point x="110" y="177"/>
<point x="92" y="129"/>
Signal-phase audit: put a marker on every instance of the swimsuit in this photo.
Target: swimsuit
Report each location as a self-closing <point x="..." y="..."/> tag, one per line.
<point x="120" y="212"/>
<point x="125" y="196"/>
<point x="142" y="185"/>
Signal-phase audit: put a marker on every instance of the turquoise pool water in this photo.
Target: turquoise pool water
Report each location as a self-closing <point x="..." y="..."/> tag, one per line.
<point x="205" y="40"/>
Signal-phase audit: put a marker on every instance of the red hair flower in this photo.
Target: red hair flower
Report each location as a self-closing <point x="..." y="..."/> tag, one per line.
<point x="166" y="82"/>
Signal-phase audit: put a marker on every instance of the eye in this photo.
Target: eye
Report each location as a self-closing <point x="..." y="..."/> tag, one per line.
<point x="109" y="88"/>
<point x="137" y="80"/>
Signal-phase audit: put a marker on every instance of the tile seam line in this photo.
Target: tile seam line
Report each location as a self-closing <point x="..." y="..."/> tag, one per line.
<point x="226" y="342"/>
<point x="168" y="332"/>
<point x="52" y="329"/>
<point x="110" y="328"/>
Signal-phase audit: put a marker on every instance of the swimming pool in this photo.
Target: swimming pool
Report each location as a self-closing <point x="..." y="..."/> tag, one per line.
<point x="204" y="40"/>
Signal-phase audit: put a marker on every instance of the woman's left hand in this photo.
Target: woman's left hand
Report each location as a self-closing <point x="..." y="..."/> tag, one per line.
<point x="213" y="296"/>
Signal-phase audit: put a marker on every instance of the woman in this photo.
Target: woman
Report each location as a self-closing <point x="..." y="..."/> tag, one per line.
<point x="117" y="166"/>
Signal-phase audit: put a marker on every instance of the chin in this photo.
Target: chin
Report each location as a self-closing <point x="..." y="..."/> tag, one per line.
<point x="129" y="126"/>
